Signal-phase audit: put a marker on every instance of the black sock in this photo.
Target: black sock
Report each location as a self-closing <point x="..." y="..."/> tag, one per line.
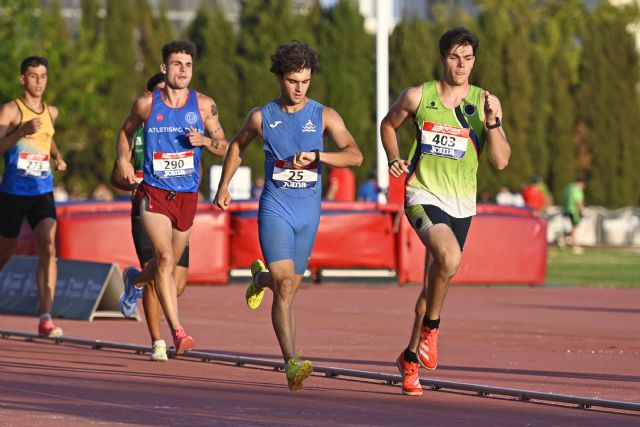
<point x="431" y="324"/>
<point x="410" y="356"/>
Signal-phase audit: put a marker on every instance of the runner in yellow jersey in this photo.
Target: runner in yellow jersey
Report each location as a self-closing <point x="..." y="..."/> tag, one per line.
<point x="26" y="191"/>
<point x="454" y="122"/>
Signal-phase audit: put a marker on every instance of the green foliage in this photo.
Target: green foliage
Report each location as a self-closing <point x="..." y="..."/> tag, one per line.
<point x="567" y="77"/>
<point x="609" y="107"/>
<point x="346" y="54"/>
<point x="407" y="69"/>
<point x="216" y="71"/>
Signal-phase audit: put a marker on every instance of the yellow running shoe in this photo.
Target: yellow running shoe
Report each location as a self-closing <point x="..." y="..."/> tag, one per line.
<point x="296" y="372"/>
<point x="254" y="293"/>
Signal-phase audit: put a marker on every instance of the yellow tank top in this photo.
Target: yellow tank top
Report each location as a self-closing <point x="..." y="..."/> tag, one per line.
<point x="39" y="142"/>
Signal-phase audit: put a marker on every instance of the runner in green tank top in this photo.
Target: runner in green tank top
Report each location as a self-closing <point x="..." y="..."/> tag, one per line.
<point x="454" y="121"/>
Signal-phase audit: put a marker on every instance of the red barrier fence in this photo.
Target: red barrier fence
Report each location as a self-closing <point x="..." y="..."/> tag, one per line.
<point x="505" y="249"/>
<point x="505" y="245"/>
<point x="102" y="232"/>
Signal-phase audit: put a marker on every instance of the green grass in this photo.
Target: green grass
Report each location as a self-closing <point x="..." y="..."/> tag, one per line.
<point x="606" y="267"/>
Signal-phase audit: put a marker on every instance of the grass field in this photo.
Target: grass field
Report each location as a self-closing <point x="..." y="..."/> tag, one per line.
<point x="605" y="267"/>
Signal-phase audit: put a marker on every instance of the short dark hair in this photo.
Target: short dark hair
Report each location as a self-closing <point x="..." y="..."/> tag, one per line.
<point x="154" y="81"/>
<point x="178" y="46"/>
<point x="33" y="61"/>
<point x="458" y="36"/>
<point x="294" y="56"/>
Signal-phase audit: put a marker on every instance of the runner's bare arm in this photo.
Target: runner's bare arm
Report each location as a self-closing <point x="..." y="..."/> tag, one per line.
<point x="403" y="109"/>
<point x="252" y="127"/>
<point x="216" y="142"/>
<point x="9" y="131"/>
<point x="124" y="144"/>
<point x="348" y="153"/>
<point x="498" y="148"/>
<point x="58" y="160"/>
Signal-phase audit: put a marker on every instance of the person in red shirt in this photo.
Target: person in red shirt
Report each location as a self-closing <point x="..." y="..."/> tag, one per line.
<point x="342" y="185"/>
<point x="534" y="194"/>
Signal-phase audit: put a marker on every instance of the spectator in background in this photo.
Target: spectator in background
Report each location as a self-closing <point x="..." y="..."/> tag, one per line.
<point x="484" y="197"/>
<point x="369" y="190"/>
<point x="256" y="188"/>
<point x="60" y="193"/>
<point x="506" y="198"/>
<point x="102" y="193"/>
<point x="342" y="185"/>
<point x="536" y="194"/>
<point x="573" y="207"/>
<point x="77" y="194"/>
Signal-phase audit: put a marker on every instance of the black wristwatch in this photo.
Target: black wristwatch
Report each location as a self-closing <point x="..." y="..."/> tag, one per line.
<point x="317" y="151"/>
<point x="497" y="124"/>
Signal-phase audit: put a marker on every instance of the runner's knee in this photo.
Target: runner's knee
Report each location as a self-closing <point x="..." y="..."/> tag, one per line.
<point x="285" y="288"/>
<point x="448" y="263"/>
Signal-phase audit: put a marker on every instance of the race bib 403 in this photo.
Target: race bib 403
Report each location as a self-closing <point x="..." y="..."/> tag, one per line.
<point x="285" y="175"/>
<point x="34" y="165"/>
<point x="169" y="165"/>
<point x="444" y="140"/>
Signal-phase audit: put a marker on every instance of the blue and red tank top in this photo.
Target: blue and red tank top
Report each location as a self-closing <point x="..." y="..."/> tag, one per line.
<point x="170" y="162"/>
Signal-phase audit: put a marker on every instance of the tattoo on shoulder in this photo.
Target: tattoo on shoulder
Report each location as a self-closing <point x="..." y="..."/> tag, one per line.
<point x="214" y="110"/>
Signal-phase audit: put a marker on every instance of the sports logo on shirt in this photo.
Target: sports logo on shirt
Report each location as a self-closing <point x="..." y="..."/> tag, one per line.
<point x="308" y="127"/>
<point x="191" y="117"/>
<point x="159" y="117"/>
<point x="470" y="110"/>
<point x="274" y="124"/>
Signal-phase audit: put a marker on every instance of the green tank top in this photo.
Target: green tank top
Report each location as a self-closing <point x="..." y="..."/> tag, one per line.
<point x="444" y="155"/>
<point x="137" y="157"/>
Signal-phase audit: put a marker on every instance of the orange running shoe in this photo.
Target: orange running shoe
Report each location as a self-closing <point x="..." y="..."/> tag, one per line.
<point x="48" y="329"/>
<point x="182" y="341"/>
<point x="410" y="379"/>
<point x="428" y="348"/>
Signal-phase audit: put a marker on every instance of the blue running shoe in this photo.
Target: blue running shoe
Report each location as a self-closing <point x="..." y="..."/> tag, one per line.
<point x="131" y="293"/>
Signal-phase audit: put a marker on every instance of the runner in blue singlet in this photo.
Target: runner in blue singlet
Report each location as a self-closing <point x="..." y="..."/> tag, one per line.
<point x="26" y="188"/>
<point x="175" y="119"/>
<point x="293" y="128"/>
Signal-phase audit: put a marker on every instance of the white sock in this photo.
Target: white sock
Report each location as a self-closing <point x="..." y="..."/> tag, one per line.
<point x="45" y="317"/>
<point x="158" y="342"/>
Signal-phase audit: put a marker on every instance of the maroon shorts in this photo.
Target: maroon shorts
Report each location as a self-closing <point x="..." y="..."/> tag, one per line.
<point x="180" y="208"/>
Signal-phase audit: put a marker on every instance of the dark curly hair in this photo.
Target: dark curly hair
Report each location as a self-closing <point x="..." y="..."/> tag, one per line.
<point x="179" y="46"/>
<point x="294" y="56"/>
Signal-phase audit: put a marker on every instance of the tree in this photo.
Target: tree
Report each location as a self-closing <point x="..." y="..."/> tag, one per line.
<point x="503" y="69"/>
<point x="609" y="105"/>
<point x="155" y="32"/>
<point x="17" y="19"/>
<point x="216" y="71"/>
<point x="346" y="58"/>
<point x="265" y="25"/>
<point x="126" y="82"/>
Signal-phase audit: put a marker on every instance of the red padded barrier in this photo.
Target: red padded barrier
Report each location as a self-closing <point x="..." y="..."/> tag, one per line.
<point x="209" y="246"/>
<point x="345" y="239"/>
<point x="87" y="234"/>
<point x="500" y="249"/>
<point x="354" y="240"/>
<point x="244" y="245"/>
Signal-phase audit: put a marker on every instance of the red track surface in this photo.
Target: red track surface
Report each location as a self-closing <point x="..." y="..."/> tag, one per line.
<point x="581" y="342"/>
